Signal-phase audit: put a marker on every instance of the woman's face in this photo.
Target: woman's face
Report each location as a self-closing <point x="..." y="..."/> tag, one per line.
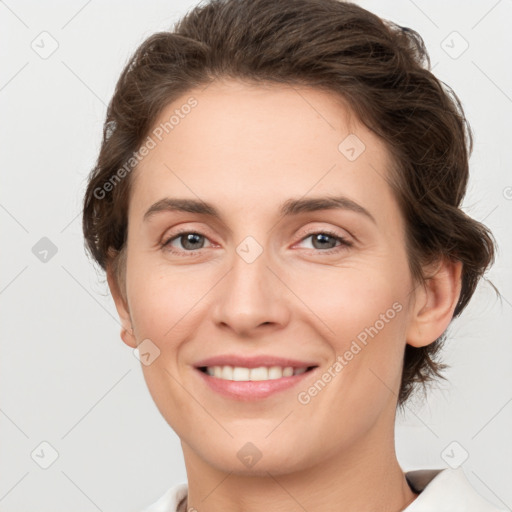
<point x="274" y="273"/>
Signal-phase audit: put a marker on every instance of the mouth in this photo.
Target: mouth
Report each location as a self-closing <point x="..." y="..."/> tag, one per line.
<point x="249" y="384"/>
<point x="261" y="373"/>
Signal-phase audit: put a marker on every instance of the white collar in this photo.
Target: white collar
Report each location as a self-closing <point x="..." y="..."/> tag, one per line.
<point x="449" y="490"/>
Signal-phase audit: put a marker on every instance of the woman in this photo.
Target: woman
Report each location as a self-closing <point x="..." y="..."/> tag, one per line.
<point x="276" y="204"/>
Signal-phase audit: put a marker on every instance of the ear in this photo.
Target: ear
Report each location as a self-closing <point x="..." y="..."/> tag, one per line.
<point x="122" y="309"/>
<point x="434" y="304"/>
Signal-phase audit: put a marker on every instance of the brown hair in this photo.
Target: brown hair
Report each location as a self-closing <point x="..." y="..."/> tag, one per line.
<point x="379" y="68"/>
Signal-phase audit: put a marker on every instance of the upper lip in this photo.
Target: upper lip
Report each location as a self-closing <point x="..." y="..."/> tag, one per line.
<point x="253" y="362"/>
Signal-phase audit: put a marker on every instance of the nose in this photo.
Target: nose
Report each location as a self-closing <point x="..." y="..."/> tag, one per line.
<point x="251" y="297"/>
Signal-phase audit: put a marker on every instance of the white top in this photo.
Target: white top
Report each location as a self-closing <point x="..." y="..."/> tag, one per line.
<point x="440" y="490"/>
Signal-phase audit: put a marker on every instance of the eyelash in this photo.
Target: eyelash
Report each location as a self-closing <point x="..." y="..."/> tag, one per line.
<point x="344" y="243"/>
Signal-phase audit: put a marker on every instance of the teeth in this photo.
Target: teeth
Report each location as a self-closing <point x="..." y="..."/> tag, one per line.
<point x="227" y="373"/>
<point x="239" y="373"/>
<point x="289" y="371"/>
<point x="275" y="372"/>
<point x="257" y="374"/>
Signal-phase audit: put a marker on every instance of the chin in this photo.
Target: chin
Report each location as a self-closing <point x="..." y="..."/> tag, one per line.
<point x="248" y="461"/>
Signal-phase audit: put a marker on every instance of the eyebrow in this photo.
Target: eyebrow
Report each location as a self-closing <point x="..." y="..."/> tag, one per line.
<point x="288" y="208"/>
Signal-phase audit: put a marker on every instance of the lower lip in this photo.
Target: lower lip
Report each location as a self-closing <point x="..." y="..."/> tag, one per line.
<point x="252" y="390"/>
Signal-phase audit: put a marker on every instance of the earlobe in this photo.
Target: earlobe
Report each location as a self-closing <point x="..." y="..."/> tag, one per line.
<point x="128" y="337"/>
<point x="435" y="302"/>
<point x="120" y="302"/>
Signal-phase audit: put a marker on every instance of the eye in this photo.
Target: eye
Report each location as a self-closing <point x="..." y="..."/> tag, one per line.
<point x="326" y="241"/>
<point x="190" y="242"/>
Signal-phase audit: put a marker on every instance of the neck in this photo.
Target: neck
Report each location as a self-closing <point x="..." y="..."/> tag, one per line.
<point x="364" y="477"/>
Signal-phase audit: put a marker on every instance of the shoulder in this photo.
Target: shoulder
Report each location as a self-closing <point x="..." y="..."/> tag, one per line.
<point x="449" y="490"/>
<point x="170" y="500"/>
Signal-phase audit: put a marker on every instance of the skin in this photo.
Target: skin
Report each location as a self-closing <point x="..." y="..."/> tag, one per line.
<point x="246" y="149"/>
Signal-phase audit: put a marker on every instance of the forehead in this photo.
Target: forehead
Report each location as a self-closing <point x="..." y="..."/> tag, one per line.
<point x="255" y="143"/>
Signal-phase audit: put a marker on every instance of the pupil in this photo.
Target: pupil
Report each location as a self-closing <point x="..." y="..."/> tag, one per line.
<point x="189" y="238"/>
<point x="321" y="237"/>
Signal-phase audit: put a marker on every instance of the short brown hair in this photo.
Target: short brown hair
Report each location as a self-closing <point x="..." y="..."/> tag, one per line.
<point x="380" y="69"/>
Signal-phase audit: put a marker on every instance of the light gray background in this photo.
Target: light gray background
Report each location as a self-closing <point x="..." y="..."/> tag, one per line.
<point x="67" y="378"/>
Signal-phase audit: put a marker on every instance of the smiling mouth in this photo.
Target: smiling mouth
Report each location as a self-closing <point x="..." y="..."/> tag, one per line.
<point x="262" y="373"/>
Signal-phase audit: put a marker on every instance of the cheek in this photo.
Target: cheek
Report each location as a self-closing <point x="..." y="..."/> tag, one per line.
<point x="162" y="299"/>
<point x="349" y="300"/>
<point x="362" y="316"/>
<point x="162" y="309"/>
